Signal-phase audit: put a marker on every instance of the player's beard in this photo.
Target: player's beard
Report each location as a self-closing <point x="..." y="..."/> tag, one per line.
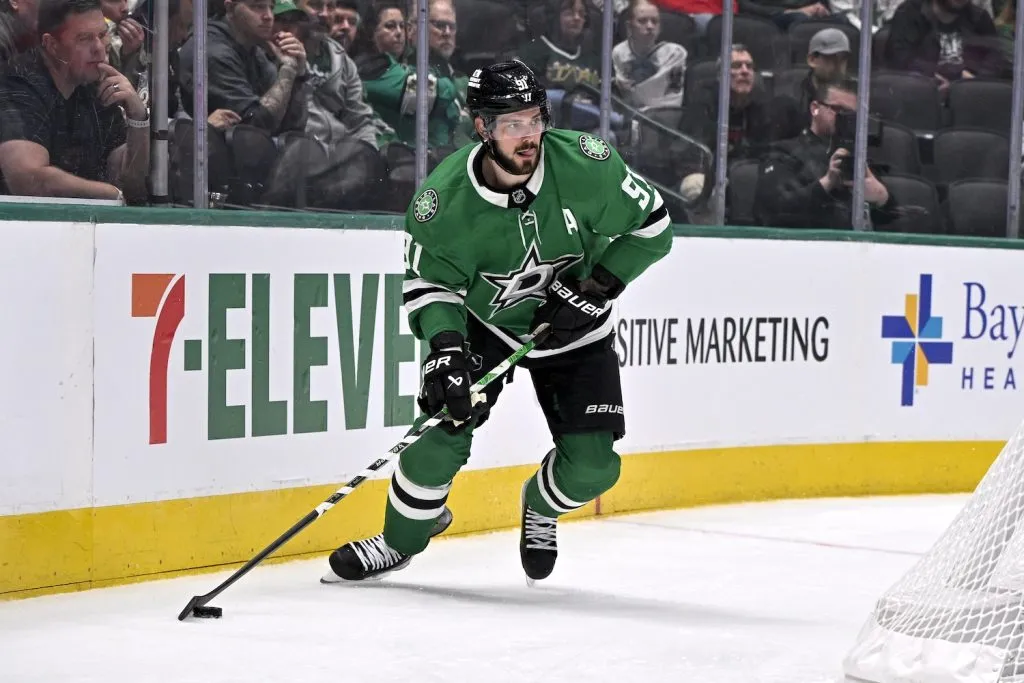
<point x="514" y="165"/>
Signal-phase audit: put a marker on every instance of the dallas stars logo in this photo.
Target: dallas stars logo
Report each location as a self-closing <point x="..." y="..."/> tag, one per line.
<point x="595" y="148"/>
<point x="425" y="206"/>
<point x="530" y="281"/>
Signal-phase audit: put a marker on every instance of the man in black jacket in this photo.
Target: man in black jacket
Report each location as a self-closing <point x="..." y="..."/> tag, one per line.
<point x="947" y="39"/>
<point x="752" y="126"/>
<point x="801" y="182"/>
<point x="242" y="78"/>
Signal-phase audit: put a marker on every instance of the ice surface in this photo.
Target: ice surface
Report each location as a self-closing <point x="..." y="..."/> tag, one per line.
<point x="766" y="592"/>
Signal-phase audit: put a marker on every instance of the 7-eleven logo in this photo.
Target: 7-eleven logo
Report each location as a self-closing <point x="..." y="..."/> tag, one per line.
<point x="161" y="296"/>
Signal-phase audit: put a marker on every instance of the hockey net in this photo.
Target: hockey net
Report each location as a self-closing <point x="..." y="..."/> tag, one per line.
<point x="957" y="616"/>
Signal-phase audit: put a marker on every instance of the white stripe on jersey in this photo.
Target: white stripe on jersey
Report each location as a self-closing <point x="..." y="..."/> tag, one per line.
<point x="431" y="297"/>
<point x="415" y="283"/>
<point x="654" y="229"/>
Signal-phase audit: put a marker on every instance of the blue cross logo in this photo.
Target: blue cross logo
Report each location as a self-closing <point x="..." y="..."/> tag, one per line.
<point x="916" y="334"/>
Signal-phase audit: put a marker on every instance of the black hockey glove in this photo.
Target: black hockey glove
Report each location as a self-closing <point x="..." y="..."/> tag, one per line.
<point x="573" y="308"/>
<point x="445" y="378"/>
<point x="572" y="313"/>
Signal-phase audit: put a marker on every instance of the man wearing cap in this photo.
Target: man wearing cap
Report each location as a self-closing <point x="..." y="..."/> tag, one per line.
<point x="337" y="107"/>
<point x="242" y="78"/>
<point x="339" y="118"/>
<point x="828" y="55"/>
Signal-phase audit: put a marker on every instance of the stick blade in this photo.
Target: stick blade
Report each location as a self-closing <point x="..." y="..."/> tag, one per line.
<point x="187" y="612"/>
<point x="198" y="608"/>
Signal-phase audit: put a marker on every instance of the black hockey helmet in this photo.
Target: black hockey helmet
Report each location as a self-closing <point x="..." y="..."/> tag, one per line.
<point x="503" y="88"/>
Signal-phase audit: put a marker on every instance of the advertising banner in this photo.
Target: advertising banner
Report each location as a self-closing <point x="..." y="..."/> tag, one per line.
<point x="735" y="342"/>
<point x="237" y="359"/>
<point x="243" y="359"/>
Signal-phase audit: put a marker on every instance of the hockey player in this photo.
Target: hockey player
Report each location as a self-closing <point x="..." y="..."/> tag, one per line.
<point x="532" y="225"/>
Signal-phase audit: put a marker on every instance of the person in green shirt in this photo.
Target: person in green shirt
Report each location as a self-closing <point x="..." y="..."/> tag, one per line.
<point x="391" y="85"/>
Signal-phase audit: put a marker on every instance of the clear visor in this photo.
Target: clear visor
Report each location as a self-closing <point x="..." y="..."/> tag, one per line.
<point x="520" y="124"/>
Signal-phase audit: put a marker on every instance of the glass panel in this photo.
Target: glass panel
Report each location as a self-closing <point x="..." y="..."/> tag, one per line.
<point x="662" y="119"/>
<point x="311" y="104"/>
<point x="943" y="100"/>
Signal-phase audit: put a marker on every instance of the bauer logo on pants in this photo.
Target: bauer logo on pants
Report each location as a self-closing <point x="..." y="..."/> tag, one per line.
<point x="600" y="408"/>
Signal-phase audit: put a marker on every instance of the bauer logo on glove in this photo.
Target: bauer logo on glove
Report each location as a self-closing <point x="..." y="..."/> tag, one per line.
<point x="575" y="299"/>
<point x="573" y="309"/>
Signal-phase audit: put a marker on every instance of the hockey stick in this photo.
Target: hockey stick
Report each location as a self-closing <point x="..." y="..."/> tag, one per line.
<point x="198" y="605"/>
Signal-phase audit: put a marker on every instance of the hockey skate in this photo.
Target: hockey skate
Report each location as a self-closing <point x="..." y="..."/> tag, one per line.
<point x="538" y="542"/>
<point x="372" y="558"/>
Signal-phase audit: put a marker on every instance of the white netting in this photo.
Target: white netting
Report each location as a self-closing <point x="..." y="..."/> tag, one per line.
<point x="958" y="615"/>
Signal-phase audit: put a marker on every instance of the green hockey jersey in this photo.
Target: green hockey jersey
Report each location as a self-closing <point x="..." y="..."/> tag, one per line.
<point x="471" y="250"/>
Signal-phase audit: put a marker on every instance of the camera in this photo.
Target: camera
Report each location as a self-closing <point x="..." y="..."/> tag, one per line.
<point x="845" y="137"/>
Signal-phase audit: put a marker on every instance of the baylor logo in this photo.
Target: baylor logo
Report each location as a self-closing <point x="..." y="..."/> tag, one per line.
<point x="529" y="281"/>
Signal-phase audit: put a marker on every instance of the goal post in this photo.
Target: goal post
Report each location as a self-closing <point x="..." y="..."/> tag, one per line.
<point x="957" y="616"/>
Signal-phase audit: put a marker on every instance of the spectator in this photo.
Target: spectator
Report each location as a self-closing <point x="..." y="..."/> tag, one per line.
<point x="886" y="9"/>
<point x="702" y="11"/>
<point x="338" y="154"/>
<point x="947" y="39"/>
<point x="321" y="11"/>
<point x="384" y="32"/>
<point x="558" y="56"/>
<point x="17" y="27"/>
<point x="336" y="107"/>
<point x="70" y="124"/>
<point x="801" y="183"/>
<point x="751" y="126"/>
<point x="345" y="22"/>
<point x="179" y="14"/>
<point x="126" y="35"/>
<point x="441" y="37"/>
<point x="785" y="13"/>
<point x="648" y="72"/>
<point x="828" y="55"/>
<point x="241" y="77"/>
<point x="391" y="85"/>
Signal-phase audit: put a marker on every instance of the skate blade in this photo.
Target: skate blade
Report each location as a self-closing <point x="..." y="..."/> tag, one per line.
<point x="531" y="582"/>
<point x="332" y="579"/>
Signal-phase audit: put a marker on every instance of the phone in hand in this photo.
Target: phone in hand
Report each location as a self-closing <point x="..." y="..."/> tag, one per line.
<point x="846" y="168"/>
